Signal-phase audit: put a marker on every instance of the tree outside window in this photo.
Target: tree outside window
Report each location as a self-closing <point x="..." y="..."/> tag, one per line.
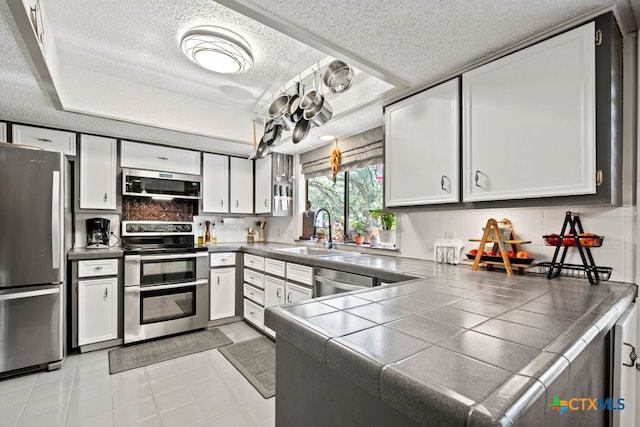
<point x="348" y="200"/>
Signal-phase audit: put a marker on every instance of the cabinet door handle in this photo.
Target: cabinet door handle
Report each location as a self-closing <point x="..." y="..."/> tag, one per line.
<point x="106" y="293"/>
<point x="218" y="280"/>
<point x="105" y="197"/>
<point x="221" y="203"/>
<point x="289" y="297"/>
<point x="442" y="182"/>
<point x="279" y="292"/>
<point x="266" y="203"/>
<point x="476" y="178"/>
<point x="237" y="204"/>
<point x="162" y="158"/>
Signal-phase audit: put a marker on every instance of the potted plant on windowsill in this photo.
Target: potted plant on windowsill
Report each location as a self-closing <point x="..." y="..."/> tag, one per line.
<point x="388" y="222"/>
<point x="357" y="228"/>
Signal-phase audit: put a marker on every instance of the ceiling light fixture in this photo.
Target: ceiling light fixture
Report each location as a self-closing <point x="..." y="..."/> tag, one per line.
<point x="326" y="137"/>
<point x="217" y="49"/>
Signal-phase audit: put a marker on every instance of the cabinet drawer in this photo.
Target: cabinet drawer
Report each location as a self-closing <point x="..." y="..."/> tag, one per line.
<point x="274" y="266"/>
<point x="222" y="259"/>
<point x="300" y="273"/>
<point x="253" y="277"/>
<point x="47" y="139"/>
<point x="256" y="295"/>
<point x="253" y="261"/>
<point x="254" y="313"/>
<point x="98" y="267"/>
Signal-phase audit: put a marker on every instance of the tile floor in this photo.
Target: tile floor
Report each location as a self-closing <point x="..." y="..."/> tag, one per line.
<point x="202" y="389"/>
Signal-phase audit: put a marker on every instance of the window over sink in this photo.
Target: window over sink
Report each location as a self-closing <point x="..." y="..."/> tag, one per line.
<point x="348" y="200"/>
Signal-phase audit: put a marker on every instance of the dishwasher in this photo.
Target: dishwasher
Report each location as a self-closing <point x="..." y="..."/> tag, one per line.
<point x="329" y="282"/>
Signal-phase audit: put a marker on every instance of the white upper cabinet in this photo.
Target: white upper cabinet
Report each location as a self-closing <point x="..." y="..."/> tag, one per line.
<point x="215" y="183"/>
<point x="155" y="157"/>
<point x="422" y="148"/>
<point x="47" y="139"/>
<point x="263" y="187"/>
<point x="241" y="185"/>
<point x="529" y="122"/>
<point x="98" y="168"/>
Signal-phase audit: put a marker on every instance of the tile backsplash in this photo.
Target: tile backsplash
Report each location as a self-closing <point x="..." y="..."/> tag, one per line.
<point x="143" y="209"/>
<point x="419" y="230"/>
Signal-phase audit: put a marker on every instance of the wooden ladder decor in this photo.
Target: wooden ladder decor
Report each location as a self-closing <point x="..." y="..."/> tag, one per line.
<point x="492" y="234"/>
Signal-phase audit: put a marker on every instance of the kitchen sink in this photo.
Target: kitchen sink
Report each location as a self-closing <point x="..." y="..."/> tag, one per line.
<point x="306" y="250"/>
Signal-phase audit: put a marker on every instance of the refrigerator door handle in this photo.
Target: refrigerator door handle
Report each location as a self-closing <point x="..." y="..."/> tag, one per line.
<point x="29" y="294"/>
<point x="55" y="220"/>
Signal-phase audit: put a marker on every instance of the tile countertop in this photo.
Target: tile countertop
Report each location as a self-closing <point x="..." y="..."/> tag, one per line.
<point x="102" y="253"/>
<point x="480" y="345"/>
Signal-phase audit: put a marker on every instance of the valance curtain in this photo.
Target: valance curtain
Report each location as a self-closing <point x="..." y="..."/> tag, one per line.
<point x="358" y="151"/>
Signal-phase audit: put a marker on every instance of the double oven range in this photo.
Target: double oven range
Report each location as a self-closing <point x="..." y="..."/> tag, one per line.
<point x="166" y="286"/>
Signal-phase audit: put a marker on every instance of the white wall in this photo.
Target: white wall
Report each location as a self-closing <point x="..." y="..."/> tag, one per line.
<point x="419" y="230"/>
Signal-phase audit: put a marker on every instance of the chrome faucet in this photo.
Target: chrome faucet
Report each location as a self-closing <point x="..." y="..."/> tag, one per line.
<point x="330" y="241"/>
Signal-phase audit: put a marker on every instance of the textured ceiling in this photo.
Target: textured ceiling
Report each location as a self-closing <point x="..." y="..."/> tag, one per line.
<point x="132" y="47"/>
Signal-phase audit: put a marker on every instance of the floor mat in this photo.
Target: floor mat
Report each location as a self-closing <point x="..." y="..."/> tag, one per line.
<point x="256" y="360"/>
<point x="147" y="353"/>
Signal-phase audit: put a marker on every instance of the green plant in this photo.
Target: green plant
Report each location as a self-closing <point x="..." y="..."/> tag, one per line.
<point x="358" y="226"/>
<point x="387" y="219"/>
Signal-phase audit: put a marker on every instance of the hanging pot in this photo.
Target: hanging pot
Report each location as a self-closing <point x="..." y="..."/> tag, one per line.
<point x="279" y="107"/>
<point x="312" y="97"/>
<point x="338" y="76"/>
<point x="320" y="114"/>
<point x="284" y="122"/>
<point x="301" y="130"/>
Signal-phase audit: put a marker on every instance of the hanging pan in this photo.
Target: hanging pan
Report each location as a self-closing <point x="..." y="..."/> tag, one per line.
<point x="301" y="130"/>
<point x="263" y="149"/>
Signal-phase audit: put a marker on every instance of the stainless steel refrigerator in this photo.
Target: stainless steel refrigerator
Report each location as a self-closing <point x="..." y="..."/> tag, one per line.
<point x="32" y="267"/>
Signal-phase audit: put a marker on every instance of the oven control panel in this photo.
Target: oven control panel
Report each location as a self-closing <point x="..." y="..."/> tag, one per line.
<point x="156" y="228"/>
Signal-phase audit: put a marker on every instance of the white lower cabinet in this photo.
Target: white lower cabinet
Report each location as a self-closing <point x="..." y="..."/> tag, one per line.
<point x="273" y="291"/>
<point x="296" y="293"/>
<point x="222" y="293"/>
<point x="254" y="313"/>
<point x="273" y="286"/>
<point x="97" y="310"/>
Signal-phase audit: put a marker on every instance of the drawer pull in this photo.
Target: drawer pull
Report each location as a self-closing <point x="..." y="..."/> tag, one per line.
<point x="162" y="158"/>
<point x="98" y="267"/>
<point x="44" y="140"/>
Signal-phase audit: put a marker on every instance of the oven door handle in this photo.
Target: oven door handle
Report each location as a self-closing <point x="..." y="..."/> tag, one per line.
<point x="166" y="256"/>
<point x="160" y="287"/>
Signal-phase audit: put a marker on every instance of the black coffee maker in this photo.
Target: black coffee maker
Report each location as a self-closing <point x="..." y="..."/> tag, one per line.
<point x="98" y="233"/>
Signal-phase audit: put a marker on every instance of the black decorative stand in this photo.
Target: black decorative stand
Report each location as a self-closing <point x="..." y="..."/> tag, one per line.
<point x="573" y="235"/>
